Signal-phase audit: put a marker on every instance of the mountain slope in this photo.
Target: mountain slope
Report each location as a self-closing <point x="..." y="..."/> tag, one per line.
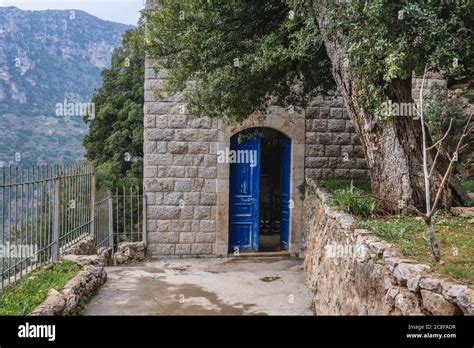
<point x="49" y="58"/>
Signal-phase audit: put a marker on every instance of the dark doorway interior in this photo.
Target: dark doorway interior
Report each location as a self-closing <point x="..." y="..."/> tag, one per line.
<point x="270" y="190"/>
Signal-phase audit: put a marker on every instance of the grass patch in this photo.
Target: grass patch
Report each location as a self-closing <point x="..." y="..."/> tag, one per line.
<point x="469" y="94"/>
<point x="455" y="236"/>
<point x="31" y="290"/>
<point x="351" y="196"/>
<point x="468" y="184"/>
<point x="354" y="201"/>
<point x="333" y="185"/>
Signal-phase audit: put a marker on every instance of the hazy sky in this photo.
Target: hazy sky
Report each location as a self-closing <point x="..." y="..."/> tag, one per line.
<point x="122" y="11"/>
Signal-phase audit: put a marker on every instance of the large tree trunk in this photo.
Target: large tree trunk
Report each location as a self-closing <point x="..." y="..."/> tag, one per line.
<point x="392" y="148"/>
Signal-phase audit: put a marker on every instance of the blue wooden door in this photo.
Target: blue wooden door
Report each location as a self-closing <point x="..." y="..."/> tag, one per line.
<point x="285" y="194"/>
<point x="244" y="195"/>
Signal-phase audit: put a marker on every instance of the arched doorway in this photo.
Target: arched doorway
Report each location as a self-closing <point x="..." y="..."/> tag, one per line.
<point x="259" y="190"/>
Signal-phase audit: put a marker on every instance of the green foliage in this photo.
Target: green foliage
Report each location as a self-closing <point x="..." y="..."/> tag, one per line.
<point x="354" y="201"/>
<point x="243" y="136"/>
<point x="469" y="94"/>
<point x="388" y="40"/>
<point x="462" y="269"/>
<point x="332" y="184"/>
<point x="239" y="53"/>
<point x="392" y="230"/>
<point x="439" y="111"/>
<point x="115" y="140"/>
<point x="26" y="294"/>
<point x="468" y="184"/>
<point x="454" y="234"/>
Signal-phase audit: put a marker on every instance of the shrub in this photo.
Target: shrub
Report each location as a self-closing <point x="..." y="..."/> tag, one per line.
<point x="354" y="201"/>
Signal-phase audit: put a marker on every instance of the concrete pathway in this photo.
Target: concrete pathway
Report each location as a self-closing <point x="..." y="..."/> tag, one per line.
<point x="233" y="286"/>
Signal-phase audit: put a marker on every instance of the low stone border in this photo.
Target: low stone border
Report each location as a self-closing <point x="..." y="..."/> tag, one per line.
<point x="371" y="277"/>
<point x="129" y="252"/>
<point x="84" y="246"/>
<point x="77" y="290"/>
<point x="105" y="256"/>
<point x="80" y="288"/>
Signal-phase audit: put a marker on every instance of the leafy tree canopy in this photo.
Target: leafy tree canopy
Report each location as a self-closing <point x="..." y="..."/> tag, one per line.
<point x="242" y="52"/>
<point x="388" y="40"/>
<point x="239" y="53"/>
<point x="115" y="140"/>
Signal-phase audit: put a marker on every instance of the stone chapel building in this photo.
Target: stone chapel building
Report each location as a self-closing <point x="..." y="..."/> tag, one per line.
<point x="208" y="194"/>
<point x="214" y="189"/>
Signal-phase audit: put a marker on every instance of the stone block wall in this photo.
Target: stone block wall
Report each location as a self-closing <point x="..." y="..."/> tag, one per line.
<point x="180" y="172"/>
<point x="431" y="80"/>
<point x="187" y="190"/>
<point x="352" y="272"/>
<point x="184" y="184"/>
<point x="332" y="147"/>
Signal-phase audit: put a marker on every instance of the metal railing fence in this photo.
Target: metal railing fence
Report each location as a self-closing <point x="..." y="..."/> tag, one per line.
<point x="103" y="224"/>
<point x="129" y="215"/>
<point x="42" y="209"/>
<point x="46" y="209"/>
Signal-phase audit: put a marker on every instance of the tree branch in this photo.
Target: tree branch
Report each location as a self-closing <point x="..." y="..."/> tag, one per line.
<point x="444" y="137"/>
<point x="433" y="166"/>
<point x="466" y="132"/>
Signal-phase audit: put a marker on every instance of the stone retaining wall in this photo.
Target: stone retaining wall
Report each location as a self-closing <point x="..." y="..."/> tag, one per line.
<point x="83" y="246"/>
<point x="352" y="272"/>
<point x="76" y="291"/>
<point x="81" y="287"/>
<point x="129" y="252"/>
<point x="85" y="249"/>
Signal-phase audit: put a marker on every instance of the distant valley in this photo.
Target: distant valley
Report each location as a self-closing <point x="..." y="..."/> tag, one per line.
<point x="49" y="58"/>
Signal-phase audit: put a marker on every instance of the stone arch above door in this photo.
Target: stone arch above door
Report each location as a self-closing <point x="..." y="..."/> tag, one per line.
<point x="293" y="126"/>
